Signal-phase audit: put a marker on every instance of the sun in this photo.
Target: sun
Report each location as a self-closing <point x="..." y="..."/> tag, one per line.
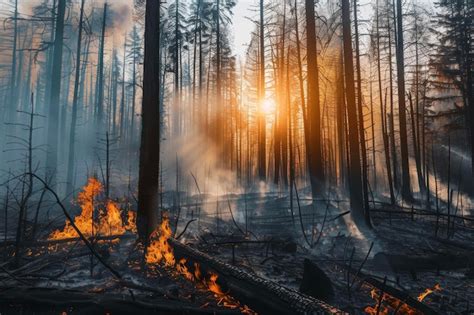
<point x="268" y="106"/>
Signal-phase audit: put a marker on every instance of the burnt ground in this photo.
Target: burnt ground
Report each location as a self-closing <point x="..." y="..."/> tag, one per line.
<point x="405" y="252"/>
<point x="265" y="238"/>
<point x="67" y="278"/>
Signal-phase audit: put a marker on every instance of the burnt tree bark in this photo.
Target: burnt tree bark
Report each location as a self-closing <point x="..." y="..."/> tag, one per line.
<point x="315" y="163"/>
<point x="148" y="180"/>
<point x="406" y="186"/>
<point x="72" y="132"/>
<point x="53" y="113"/>
<point x="355" y="176"/>
<point x="100" y="74"/>
<point x="262" y="164"/>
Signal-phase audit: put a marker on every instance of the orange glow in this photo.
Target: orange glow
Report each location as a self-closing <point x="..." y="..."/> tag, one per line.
<point x="428" y="291"/>
<point x="159" y="247"/>
<point x="160" y="251"/>
<point x="268" y="106"/>
<point x="389" y="304"/>
<point x="110" y="219"/>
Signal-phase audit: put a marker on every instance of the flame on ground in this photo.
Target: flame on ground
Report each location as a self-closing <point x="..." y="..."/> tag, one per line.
<point x="428" y="291"/>
<point x="110" y="217"/>
<point x="159" y="251"/>
<point x="387" y="304"/>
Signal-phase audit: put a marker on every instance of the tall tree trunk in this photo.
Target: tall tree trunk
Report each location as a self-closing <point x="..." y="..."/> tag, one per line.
<point x="391" y="126"/>
<point x="115" y="79"/>
<point x="301" y="83"/>
<point x="365" y="185"/>
<point x="355" y="176"/>
<point x="72" y="131"/>
<point x="262" y="164"/>
<point x="13" y="98"/>
<point x="53" y="117"/>
<point x="383" y="115"/>
<point x="100" y="74"/>
<point x="341" y="123"/>
<point x="421" y="183"/>
<point x="406" y="186"/>
<point x="148" y="180"/>
<point x="315" y="163"/>
<point x="122" y="99"/>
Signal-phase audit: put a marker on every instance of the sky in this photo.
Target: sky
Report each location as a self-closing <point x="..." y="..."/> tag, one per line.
<point x="242" y="26"/>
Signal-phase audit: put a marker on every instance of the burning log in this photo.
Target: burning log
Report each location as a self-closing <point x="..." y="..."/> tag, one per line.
<point x="260" y="294"/>
<point x="395" y="296"/>
<point x="230" y="285"/>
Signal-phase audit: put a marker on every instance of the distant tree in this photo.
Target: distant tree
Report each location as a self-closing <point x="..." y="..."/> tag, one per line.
<point x="455" y="55"/>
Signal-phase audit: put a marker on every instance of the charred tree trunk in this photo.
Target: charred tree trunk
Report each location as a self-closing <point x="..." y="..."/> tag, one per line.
<point x="100" y="74"/>
<point x="148" y="180"/>
<point x="365" y="185"/>
<point x="355" y="176"/>
<point x="53" y="117"/>
<point x="262" y="155"/>
<point x="72" y="131"/>
<point x="122" y="100"/>
<point x="315" y="163"/>
<point x="13" y="97"/>
<point x="406" y="185"/>
<point x="383" y="115"/>
<point x="391" y="126"/>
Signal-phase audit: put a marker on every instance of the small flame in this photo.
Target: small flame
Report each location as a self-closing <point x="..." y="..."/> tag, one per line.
<point x="110" y="220"/>
<point x="160" y="251"/>
<point x="213" y="286"/>
<point x="428" y="291"/>
<point x="387" y="304"/>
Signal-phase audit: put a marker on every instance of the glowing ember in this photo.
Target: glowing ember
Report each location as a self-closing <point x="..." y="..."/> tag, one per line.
<point x="387" y="304"/>
<point x="160" y="251"/>
<point x="428" y="291"/>
<point x="110" y="219"/>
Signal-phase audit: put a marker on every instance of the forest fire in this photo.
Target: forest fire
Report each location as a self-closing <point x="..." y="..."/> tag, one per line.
<point x="386" y="304"/>
<point x="110" y="220"/>
<point x="160" y="251"/>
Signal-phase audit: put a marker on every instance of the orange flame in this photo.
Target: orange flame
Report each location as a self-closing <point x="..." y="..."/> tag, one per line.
<point x="387" y="304"/>
<point x="160" y="251"/>
<point x="110" y="221"/>
<point x="428" y="291"/>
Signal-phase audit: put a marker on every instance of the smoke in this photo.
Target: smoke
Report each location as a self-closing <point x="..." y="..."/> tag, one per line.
<point x="120" y="20"/>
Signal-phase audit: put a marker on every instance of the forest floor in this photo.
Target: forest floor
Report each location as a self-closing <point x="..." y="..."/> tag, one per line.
<point x="404" y="251"/>
<point x="257" y="233"/>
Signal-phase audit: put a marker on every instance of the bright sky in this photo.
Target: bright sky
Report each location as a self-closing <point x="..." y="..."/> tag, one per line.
<point x="242" y="26"/>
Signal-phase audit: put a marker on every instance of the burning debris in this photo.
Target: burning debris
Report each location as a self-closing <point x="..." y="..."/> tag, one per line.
<point x="109" y="223"/>
<point x="387" y="304"/>
<point x="160" y="251"/>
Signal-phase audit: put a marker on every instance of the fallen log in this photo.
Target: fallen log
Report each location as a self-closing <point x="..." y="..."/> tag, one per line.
<point x="23" y="300"/>
<point x="261" y="295"/>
